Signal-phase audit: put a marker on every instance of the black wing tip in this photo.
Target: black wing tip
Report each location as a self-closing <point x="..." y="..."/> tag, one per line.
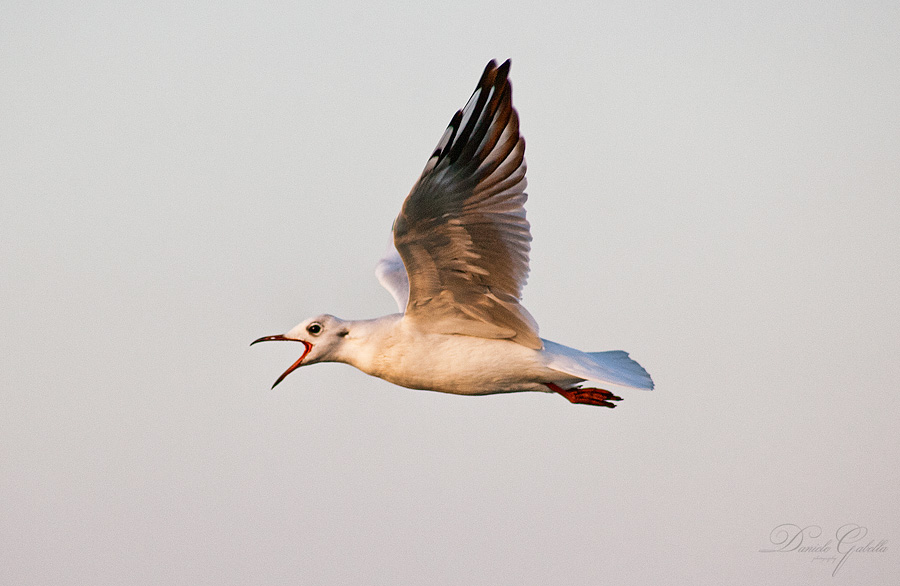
<point x="500" y="82"/>
<point x="488" y="69"/>
<point x="503" y="70"/>
<point x="494" y="78"/>
<point x="494" y="75"/>
<point x="495" y="83"/>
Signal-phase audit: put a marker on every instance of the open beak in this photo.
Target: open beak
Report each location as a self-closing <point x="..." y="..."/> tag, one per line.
<point x="294" y="366"/>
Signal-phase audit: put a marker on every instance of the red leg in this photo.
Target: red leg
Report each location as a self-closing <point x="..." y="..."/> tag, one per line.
<point x="590" y="396"/>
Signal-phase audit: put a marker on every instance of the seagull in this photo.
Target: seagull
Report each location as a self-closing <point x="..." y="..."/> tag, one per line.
<point x="456" y="267"/>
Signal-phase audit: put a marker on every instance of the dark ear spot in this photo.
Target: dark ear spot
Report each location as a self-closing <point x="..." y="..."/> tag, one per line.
<point x="343" y="332"/>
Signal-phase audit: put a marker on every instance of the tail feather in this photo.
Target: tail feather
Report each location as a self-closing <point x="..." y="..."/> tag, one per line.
<point x="625" y="366"/>
<point x="613" y="366"/>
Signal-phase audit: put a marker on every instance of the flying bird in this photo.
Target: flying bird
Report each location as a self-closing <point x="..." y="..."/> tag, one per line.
<point x="456" y="267"/>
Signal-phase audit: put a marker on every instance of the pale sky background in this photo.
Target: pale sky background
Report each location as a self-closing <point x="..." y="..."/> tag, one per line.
<point x="714" y="188"/>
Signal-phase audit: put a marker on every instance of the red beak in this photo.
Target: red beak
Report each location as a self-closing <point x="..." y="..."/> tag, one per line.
<point x="295" y="365"/>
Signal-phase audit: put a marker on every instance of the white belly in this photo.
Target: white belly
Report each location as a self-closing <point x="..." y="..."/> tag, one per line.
<point x="462" y="365"/>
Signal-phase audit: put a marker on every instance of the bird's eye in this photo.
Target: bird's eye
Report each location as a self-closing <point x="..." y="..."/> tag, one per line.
<point x="314" y="328"/>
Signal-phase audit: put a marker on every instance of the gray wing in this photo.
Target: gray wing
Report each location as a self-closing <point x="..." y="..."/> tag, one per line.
<point x="462" y="232"/>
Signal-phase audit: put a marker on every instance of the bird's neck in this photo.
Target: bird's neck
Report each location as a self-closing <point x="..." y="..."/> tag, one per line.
<point x="364" y="344"/>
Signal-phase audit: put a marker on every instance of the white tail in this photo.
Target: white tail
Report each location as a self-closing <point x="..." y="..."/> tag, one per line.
<point x="613" y="366"/>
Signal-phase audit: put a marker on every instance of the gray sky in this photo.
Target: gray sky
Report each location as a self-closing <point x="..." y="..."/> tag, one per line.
<point x="714" y="188"/>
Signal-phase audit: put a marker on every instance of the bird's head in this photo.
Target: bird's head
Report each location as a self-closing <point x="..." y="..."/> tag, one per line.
<point x="320" y="337"/>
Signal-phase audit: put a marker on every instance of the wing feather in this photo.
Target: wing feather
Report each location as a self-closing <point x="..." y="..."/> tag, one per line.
<point x="392" y="275"/>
